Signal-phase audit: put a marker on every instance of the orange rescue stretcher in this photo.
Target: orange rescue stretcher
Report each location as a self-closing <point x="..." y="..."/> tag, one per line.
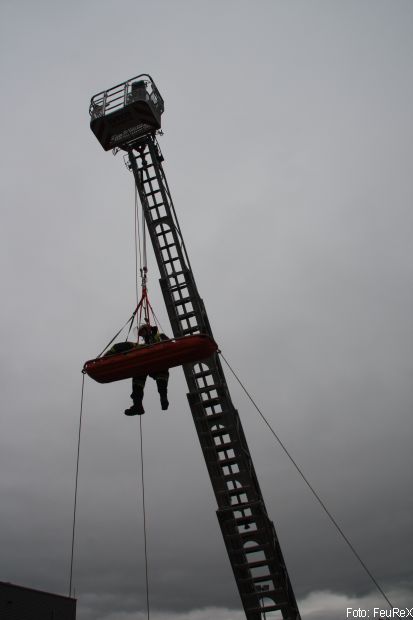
<point x="150" y="359"/>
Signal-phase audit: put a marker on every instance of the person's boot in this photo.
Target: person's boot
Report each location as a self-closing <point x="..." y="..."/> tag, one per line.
<point x="137" y="398"/>
<point x="136" y="409"/>
<point x="164" y="399"/>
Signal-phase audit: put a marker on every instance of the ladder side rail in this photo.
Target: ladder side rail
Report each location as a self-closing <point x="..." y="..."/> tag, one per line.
<point x="167" y="196"/>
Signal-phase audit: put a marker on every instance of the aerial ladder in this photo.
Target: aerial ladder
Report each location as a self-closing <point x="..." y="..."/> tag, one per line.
<point x="127" y="117"/>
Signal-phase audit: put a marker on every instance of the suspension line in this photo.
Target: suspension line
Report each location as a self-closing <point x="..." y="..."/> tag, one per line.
<point x="144" y="517"/>
<point x="76" y="485"/>
<point x="137" y="243"/>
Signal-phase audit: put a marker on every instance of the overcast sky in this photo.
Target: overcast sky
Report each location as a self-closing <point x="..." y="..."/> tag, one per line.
<point x="288" y="150"/>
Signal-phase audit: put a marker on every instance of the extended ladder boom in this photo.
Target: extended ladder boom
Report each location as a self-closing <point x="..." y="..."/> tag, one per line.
<point x="249" y="534"/>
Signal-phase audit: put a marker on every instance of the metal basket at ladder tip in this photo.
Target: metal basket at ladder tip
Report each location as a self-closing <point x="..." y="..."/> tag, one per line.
<point x="126" y="112"/>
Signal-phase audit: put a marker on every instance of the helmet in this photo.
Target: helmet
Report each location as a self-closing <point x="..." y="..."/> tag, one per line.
<point x="144" y="329"/>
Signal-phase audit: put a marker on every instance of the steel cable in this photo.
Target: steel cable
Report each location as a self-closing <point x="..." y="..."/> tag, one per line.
<point x="144" y="517"/>
<point x="313" y="491"/>
<point x="76" y="486"/>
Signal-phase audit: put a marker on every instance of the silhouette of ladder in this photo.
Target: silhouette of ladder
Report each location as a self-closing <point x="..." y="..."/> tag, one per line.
<point x="248" y="533"/>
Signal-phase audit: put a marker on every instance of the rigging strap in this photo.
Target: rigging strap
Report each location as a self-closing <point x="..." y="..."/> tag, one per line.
<point x="130" y="320"/>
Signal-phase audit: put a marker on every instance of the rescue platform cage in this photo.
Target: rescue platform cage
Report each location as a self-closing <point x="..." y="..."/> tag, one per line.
<point x="126" y="112"/>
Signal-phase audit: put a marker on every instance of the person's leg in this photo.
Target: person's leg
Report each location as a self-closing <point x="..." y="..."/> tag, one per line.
<point x="138" y="384"/>
<point x="161" y="379"/>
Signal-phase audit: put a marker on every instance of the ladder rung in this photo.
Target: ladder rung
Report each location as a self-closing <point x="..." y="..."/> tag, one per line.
<point x="207" y="388"/>
<point x="175" y="275"/>
<point x="230" y="461"/>
<point x="231" y="475"/>
<point x="168" y="245"/>
<point x="190" y="330"/>
<point x="263" y="547"/>
<point x="214" y="417"/>
<point x="269" y="608"/>
<point x="163" y="232"/>
<point x="157" y="205"/>
<point x="220" y="431"/>
<point x="275" y="593"/>
<point x="256" y="564"/>
<point x="261" y="578"/>
<point x="171" y="260"/>
<point x="152" y="193"/>
<point x="210" y="402"/>
<point x="186" y="315"/>
<point x="204" y="373"/>
<point x="245" y="520"/>
<point x="233" y="492"/>
<point x="246" y="534"/>
<point x="183" y="300"/>
<point x="178" y="286"/>
<point x="226" y="446"/>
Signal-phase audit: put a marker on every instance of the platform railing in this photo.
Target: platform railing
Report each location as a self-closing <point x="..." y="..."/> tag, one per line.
<point x="121" y="95"/>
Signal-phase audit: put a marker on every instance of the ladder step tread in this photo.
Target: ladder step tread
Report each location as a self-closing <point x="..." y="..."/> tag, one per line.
<point x="183" y="300"/>
<point x="171" y="260"/>
<point x="269" y="608"/>
<point x="263" y="547"/>
<point x="232" y="492"/>
<point x="180" y="284"/>
<point x="274" y="593"/>
<point x="162" y="232"/>
<point x="208" y="388"/>
<point x="190" y="330"/>
<point x="256" y="564"/>
<point x="261" y="578"/>
<point x="168" y="245"/>
<point x="187" y="315"/>
<point x="214" y="417"/>
<point x="204" y="373"/>
<point x="226" y="446"/>
<point x="157" y="205"/>
<point x="221" y="431"/>
<point x="244" y="520"/>
<point x="246" y="534"/>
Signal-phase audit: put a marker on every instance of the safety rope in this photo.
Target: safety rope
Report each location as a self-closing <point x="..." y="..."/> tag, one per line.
<point x="76" y="485"/>
<point x="141" y="249"/>
<point x="130" y="320"/>
<point x="313" y="491"/>
<point x="137" y="243"/>
<point x="144" y="516"/>
<point x="140" y="306"/>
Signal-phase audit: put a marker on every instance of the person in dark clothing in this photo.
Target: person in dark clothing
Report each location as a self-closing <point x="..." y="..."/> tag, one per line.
<point x="150" y="335"/>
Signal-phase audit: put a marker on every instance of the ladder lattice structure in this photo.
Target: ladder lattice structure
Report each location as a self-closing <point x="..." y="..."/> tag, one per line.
<point x="127" y="116"/>
<point x="249" y="535"/>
